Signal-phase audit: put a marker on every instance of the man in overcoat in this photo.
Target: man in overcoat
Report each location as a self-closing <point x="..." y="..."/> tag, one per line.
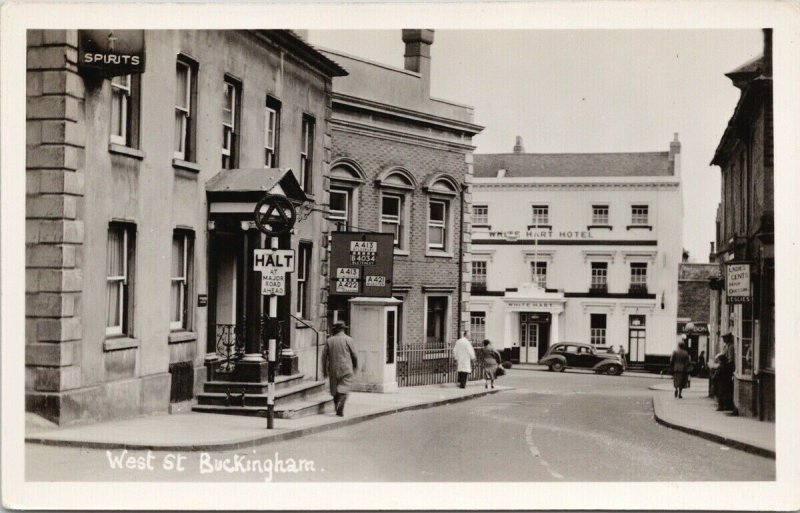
<point x="724" y="375"/>
<point x="339" y="363"/>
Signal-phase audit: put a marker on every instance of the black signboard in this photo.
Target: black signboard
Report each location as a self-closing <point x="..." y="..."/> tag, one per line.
<point x="361" y="264"/>
<point x="111" y="53"/>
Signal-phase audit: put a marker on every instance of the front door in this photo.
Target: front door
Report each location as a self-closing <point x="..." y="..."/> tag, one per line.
<point x="637" y="334"/>
<point x="528" y="339"/>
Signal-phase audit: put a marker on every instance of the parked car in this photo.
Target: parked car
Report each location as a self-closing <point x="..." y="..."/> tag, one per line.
<point x="583" y="356"/>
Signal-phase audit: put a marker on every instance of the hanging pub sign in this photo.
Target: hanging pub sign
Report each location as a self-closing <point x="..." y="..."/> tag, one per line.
<point x="111" y="53"/>
<point x="737" y="283"/>
<point x="361" y="264"/>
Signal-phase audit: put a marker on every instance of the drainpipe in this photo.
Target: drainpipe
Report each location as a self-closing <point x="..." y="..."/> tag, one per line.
<point x="461" y="263"/>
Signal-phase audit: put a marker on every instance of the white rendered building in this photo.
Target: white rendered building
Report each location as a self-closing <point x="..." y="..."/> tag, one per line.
<point x="576" y="247"/>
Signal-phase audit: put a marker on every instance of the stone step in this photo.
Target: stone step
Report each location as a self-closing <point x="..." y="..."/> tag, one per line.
<point x="251" y="388"/>
<point x="296" y="392"/>
<point x="291" y="410"/>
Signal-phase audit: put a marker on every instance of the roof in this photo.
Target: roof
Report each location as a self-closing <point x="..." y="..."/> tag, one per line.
<point x="233" y="184"/>
<point x="301" y="49"/>
<point x="755" y="66"/>
<point x="573" y="164"/>
<point x="697" y="272"/>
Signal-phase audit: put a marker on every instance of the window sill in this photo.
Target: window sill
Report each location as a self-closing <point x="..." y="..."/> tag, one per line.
<point x="600" y="227"/>
<point x="438" y="254"/>
<point x="127" y="151"/>
<point x="119" y="343"/>
<point x="401" y="252"/>
<point x="187" y="166"/>
<point x="482" y="225"/>
<point x="176" y="337"/>
<point x="540" y="226"/>
<point x="639" y="227"/>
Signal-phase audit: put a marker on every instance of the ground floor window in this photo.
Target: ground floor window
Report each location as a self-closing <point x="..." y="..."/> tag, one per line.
<point x="436" y="324"/>
<point x="597" y="332"/>
<point x="477" y="326"/>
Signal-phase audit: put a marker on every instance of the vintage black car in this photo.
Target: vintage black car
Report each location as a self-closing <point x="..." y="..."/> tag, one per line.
<point x="583" y="356"/>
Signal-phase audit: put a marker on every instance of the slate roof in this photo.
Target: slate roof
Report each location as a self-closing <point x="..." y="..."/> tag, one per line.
<point x="518" y="165"/>
<point x="697" y="272"/>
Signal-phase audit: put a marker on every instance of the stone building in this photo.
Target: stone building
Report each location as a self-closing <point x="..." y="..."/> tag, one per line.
<point x="140" y="193"/>
<point x="745" y="236"/>
<point x="580" y="247"/>
<point x="694" y="305"/>
<point x="402" y="163"/>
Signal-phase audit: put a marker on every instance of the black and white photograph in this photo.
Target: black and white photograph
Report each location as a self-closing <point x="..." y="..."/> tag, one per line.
<point x="528" y="262"/>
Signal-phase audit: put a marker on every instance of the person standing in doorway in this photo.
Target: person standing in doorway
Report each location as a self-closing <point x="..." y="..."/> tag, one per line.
<point x="724" y="376"/>
<point x="681" y="364"/>
<point x="339" y="363"/>
<point x="464" y="354"/>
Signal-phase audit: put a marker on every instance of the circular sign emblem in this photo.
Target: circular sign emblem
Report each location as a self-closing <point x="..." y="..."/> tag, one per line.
<point x="274" y="215"/>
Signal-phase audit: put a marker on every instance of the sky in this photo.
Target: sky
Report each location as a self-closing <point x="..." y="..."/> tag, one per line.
<point x="584" y="91"/>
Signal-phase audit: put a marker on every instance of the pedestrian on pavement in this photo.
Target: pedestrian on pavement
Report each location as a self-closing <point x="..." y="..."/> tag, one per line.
<point x="724" y="375"/>
<point x="464" y="354"/>
<point x="491" y="359"/>
<point x="681" y="364"/>
<point x="339" y="363"/>
<point x="702" y="368"/>
<point x="622" y="356"/>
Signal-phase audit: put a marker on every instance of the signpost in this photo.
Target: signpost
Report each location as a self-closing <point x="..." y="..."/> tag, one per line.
<point x="274" y="215"/>
<point x="737" y="283"/>
<point x="361" y="264"/>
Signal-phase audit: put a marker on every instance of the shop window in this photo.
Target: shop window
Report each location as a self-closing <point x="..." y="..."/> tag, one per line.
<point x="230" y="121"/>
<point x="181" y="280"/>
<point x="125" y="110"/>
<point x="185" y="106"/>
<point x="539" y="274"/>
<point x="600" y="215"/>
<point x="272" y="122"/>
<point x="307" y="154"/>
<point x="437" y="225"/>
<point x="303" y="269"/>
<point x="120" y="250"/>
<point x="480" y="214"/>
<point x="479" y="269"/>
<point x="477" y="326"/>
<point x="436" y="321"/>
<point x="597" y="332"/>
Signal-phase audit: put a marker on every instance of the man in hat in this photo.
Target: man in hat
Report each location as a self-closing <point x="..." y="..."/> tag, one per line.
<point x="724" y="375"/>
<point x="339" y="362"/>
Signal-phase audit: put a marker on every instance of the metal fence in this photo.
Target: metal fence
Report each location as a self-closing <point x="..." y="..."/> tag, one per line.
<point x="421" y="365"/>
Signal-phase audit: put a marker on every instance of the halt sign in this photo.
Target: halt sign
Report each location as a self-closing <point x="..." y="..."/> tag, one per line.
<point x="273" y="264"/>
<point x="361" y="264"/>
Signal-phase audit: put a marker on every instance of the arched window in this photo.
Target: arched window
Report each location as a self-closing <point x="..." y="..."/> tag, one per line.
<point x="442" y="192"/>
<point x="346" y="176"/>
<point x="396" y="183"/>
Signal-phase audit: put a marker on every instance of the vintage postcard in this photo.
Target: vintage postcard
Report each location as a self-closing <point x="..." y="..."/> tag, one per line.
<point x="536" y="256"/>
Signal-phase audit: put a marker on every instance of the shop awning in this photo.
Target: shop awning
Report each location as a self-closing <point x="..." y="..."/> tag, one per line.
<point x="238" y="190"/>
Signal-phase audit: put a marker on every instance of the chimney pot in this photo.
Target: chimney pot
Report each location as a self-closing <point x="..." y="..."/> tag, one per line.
<point x="518" y="147"/>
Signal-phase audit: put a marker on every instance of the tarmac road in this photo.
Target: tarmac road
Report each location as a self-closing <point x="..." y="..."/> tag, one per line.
<point x="571" y="426"/>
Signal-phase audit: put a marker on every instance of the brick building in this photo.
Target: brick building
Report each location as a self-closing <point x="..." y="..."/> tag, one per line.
<point x="745" y="235"/>
<point x="402" y="163"/>
<point x="694" y="305"/>
<point x="140" y="193"/>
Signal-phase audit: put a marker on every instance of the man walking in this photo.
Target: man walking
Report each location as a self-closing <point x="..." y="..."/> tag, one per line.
<point x="464" y="354"/>
<point x="339" y="362"/>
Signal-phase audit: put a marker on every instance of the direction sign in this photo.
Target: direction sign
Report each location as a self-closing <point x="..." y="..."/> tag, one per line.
<point x="265" y="259"/>
<point x="274" y="214"/>
<point x="361" y="264"/>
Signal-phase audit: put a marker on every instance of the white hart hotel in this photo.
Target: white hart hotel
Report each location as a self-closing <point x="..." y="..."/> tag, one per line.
<point x="579" y="247"/>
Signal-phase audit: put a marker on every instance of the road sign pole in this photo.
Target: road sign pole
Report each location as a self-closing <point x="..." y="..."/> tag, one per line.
<point x="273" y="315"/>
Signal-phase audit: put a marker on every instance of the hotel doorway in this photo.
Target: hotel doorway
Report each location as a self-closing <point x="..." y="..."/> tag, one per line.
<point x="637" y="336"/>
<point x="533" y="336"/>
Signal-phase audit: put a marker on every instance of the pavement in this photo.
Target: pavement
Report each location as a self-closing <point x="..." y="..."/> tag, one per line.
<point x="696" y="414"/>
<point x="192" y="431"/>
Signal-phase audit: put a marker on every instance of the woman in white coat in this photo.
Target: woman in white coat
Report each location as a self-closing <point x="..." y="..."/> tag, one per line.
<point x="464" y="354"/>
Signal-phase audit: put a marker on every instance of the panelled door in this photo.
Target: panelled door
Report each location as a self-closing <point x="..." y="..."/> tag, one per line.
<point x="637" y="335"/>
<point x="528" y="338"/>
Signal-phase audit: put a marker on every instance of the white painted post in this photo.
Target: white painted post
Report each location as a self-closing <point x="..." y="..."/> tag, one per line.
<point x="273" y="315"/>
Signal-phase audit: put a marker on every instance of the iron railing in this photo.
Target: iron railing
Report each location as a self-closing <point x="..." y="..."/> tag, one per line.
<point x="231" y="341"/>
<point x="425" y="365"/>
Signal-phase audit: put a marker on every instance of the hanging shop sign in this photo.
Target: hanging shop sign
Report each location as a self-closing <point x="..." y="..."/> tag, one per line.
<point x="111" y="53"/>
<point x="737" y="283"/>
<point x="362" y="264"/>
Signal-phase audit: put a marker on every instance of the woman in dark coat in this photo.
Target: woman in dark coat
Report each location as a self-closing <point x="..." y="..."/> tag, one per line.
<point x="681" y="364"/>
<point x="491" y="359"/>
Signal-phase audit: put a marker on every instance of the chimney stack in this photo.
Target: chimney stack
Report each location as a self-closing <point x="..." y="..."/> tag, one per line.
<point x="712" y="256"/>
<point x="518" y="147"/>
<point x="767" y="71"/>
<point x="674" y="147"/>
<point x="418" y="54"/>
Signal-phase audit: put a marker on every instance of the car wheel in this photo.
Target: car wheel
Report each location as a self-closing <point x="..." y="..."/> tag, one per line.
<point x="557" y="367"/>
<point x="614" y="370"/>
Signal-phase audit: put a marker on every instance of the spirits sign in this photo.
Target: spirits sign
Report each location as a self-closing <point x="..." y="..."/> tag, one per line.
<point x="737" y="283"/>
<point x="111" y="53"/>
<point x="361" y="264"/>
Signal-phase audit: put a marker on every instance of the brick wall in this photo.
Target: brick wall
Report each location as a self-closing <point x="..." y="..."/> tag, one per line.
<point x="54" y="226"/>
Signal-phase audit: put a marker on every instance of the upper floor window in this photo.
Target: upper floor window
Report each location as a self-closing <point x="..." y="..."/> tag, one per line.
<point x="180" y="279"/>
<point x="599" y="275"/>
<point x="480" y="214"/>
<point x="539" y="273"/>
<point x="639" y="274"/>
<point x="339" y="210"/>
<point x="541" y="215"/>
<point x="125" y="110"/>
<point x="303" y="269"/>
<point x="185" y="74"/>
<point x="437" y="224"/>
<point x="230" y="118"/>
<point x="640" y="214"/>
<point x="392" y="217"/>
<point x="272" y="122"/>
<point x="119" y="282"/>
<point x="307" y="153"/>
<point x="479" y="275"/>
<point x="600" y="215"/>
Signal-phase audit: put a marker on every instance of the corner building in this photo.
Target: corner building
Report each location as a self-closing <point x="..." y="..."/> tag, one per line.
<point x="139" y="214"/>
<point x="577" y="247"/>
<point x="402" y="163"/>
